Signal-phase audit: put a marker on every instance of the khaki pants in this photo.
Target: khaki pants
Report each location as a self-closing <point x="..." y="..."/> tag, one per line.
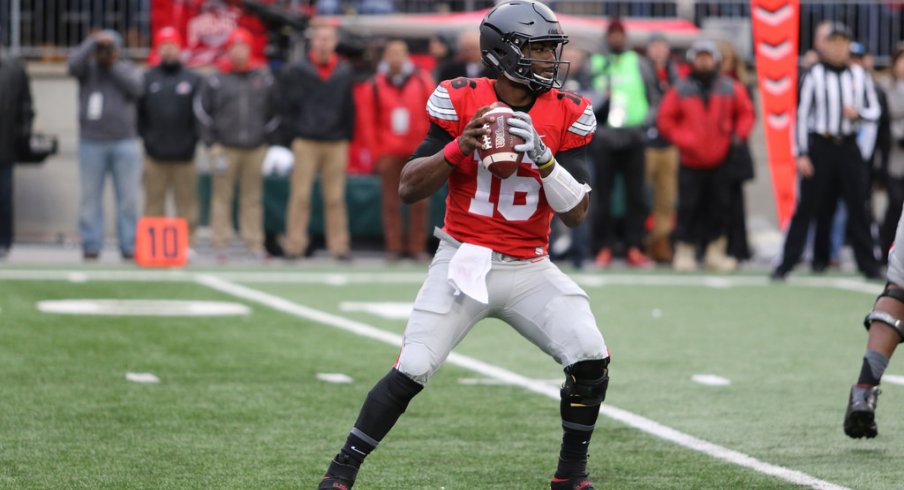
<point x="180" y="177"/>
<point x="662" y="173"/>
<point x="330" y="160"/>
<point x="244" y="166"/>
<point x="390" y="169"/>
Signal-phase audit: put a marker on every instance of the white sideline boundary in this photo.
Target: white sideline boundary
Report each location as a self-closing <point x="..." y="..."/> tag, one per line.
<point x="485" y="369"/>
<point x="339" y="279"/>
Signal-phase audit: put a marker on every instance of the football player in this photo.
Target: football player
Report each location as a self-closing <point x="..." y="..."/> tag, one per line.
<point x="492" y="260"/>
<point x="886" y="331"/>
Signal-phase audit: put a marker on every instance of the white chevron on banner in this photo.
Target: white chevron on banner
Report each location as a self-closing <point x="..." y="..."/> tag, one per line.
<point x="773" y="18"/>
<point x="778" y="121"/>
<point x="777" y="86"/>
<point x="777" y="51"/>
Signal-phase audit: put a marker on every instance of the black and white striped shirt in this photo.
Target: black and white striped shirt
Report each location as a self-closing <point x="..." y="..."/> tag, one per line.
<point x="825" y="90"/>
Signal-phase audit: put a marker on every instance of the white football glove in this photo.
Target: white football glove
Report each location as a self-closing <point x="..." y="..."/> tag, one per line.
<point x="520" y="125"/>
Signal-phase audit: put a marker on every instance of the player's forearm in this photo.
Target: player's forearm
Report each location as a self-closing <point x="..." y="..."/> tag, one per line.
<point x="577" y="214"/>
<point x="421" y="177"/>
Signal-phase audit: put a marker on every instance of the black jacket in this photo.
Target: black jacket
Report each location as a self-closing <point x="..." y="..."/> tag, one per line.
<point x="317" y="109"/>
<point x="166" y="121"/>
<point x="15" y="108"/>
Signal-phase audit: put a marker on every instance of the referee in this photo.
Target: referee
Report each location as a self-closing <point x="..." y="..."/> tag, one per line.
<point x="834" y="99"/>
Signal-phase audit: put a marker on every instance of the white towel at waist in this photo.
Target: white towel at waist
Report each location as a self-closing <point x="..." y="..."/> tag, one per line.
<point x="468" y="271"/>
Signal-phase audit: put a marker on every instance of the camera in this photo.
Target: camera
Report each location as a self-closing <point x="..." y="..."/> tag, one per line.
<point x="103" y="49"/>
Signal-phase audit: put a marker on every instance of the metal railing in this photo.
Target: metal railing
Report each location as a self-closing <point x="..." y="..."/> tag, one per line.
<point x="47" y="29"/>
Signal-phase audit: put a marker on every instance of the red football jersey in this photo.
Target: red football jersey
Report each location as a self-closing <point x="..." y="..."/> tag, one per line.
<point x="510" y="215"/>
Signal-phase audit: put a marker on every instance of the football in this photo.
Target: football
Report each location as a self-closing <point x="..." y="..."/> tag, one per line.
<point x="498" y="153"/>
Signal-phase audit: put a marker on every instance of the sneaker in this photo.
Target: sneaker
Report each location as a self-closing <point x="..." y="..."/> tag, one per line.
<point x="860" y="418"/>
<point x="778" y="274"/>
<point x="604" y="257"/>
<point x="91" y="256"/>
<point x="574" y="483"/>
<point x="334" y="483"/>
<point x="338" y="476"/>
<point x="636" y="258"/>
<point x="685" y="259"/>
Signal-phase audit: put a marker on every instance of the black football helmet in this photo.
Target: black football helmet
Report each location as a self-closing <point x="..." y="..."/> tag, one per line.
<point x="508" y="29"/>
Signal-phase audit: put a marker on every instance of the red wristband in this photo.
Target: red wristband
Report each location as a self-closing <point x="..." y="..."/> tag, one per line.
<point x="453" y="154"/>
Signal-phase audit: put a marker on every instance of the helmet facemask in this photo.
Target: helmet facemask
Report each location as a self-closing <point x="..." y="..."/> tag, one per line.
<point x="511" y="61"/>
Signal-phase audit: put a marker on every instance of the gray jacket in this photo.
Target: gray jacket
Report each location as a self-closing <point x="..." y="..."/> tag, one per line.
<point x="106" y="97"/>
<point x="238" y="109"/>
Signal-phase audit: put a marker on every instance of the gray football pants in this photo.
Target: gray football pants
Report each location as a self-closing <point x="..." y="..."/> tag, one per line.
<point x="533" y="296"/>
<point x="895" y="272"/>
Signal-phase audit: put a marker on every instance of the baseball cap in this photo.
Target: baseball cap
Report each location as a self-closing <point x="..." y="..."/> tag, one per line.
<point x="615" y="25"/>
<point x="839" y="30"/>
<point x="240" y="35"/>
<point x="657" y="37"/>
<point x="704" y="46"/>
<point x="117" y="39"/>
<point x="167" y="35"/>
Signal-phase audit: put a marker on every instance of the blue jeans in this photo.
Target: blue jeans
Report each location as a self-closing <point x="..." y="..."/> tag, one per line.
<point x="121" y="159"/>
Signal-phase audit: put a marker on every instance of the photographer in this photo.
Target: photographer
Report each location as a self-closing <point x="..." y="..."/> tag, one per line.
<point x="109" y="89"/>
<point x="15" y="127"/>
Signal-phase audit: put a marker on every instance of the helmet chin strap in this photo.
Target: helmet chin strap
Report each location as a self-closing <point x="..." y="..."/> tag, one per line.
<point x="520" y="81"/>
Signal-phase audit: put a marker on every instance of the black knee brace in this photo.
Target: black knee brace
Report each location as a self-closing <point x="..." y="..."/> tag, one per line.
<point x="586" y="383"/>
<point x="885" y="317"/>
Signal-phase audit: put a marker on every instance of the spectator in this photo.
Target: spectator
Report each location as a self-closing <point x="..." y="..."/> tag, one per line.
<point x="580" y="77"/>
<point x="109" y="89"/>
<point x="15" y="131"/>
<point x="630" y="99"/>
<point x="703" y="116"/>
<point x="741" y="166"/>
<point x="319" y="121"/>
<point x="399" y="124"/>
<point x="467" y="62"/>
<point x="892" y="169"/>
<point x="834" y="99"/>
<point x="662" y="157"/>
<point x="166" y="122"/>
<point x="236" y="109"/>
<point x="574" y="242"/>
<point x="440" y="52"/>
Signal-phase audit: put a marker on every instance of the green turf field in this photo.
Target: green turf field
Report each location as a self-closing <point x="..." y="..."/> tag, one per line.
<point x="239" y="403"/>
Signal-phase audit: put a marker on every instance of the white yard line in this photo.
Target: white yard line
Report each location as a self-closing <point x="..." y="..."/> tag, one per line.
<point x="710" y="380"/>
<point x="895" y="379"/>
<point x="488" y="370"/>
<point x="346" y="278"/>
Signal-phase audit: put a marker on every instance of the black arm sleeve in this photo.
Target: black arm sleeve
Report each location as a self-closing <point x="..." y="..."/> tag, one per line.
<point x="577" y="162"/>
<point x="437" y="138"/>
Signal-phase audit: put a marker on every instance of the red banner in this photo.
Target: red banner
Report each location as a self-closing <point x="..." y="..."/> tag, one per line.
<point x="205" y="26"/>
<point x="775" y="30"/>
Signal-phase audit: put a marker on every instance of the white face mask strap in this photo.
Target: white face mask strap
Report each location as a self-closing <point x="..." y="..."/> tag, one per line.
<point x="563" y="192"/>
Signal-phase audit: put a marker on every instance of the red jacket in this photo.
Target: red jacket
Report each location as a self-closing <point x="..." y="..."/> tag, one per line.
<point x="703" y="131"/>
<point x="398" y="121"/>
